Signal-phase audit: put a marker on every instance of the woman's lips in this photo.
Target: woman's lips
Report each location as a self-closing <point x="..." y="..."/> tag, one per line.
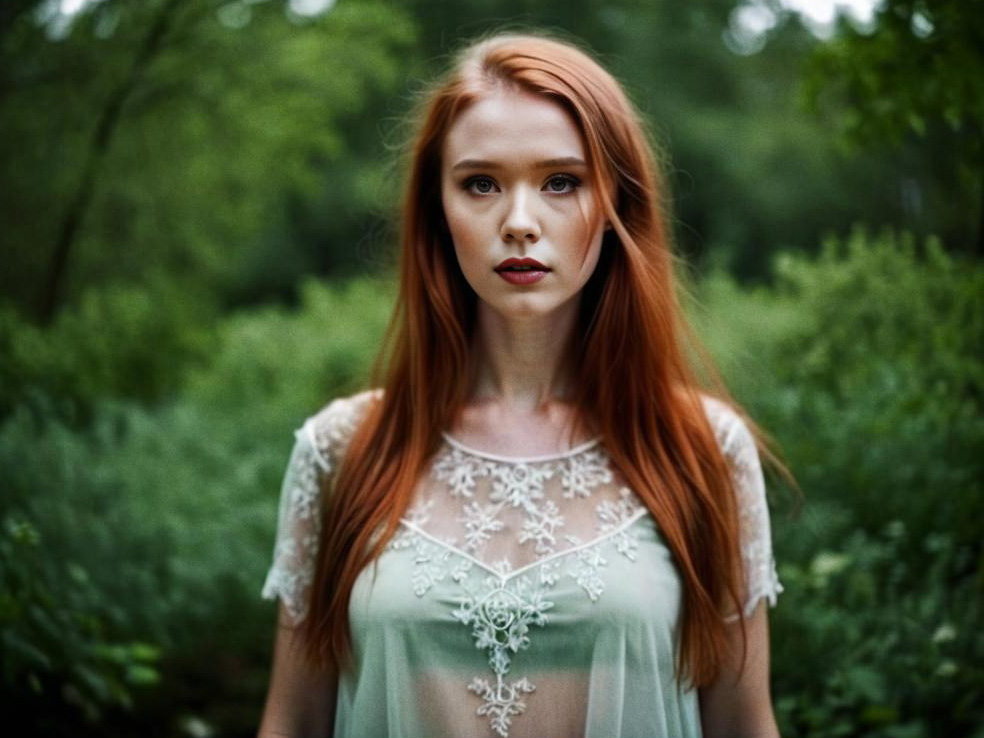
<point x="525" y="277"/>
<point x="521" y="271"/>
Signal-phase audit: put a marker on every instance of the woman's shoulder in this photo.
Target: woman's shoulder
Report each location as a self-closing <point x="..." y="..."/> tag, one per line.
<point x="329" y="428"/>
<point x="726" y="421"/>
<point x="344" y="409"/>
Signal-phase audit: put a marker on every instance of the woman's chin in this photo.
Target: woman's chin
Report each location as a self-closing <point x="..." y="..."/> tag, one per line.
<point x="526" y="307"/>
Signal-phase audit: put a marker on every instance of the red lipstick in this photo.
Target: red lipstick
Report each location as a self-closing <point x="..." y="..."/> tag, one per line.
<point x="521" y="271"/>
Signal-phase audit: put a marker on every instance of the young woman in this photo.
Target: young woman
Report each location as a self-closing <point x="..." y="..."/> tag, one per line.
<point x="539" y="523"/>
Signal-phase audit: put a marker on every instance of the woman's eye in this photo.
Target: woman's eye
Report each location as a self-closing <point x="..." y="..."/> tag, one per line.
<point x="562" y="183"/>
<point x="480" y="185"/>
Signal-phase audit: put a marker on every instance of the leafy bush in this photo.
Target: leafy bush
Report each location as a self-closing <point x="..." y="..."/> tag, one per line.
<point x="55" y="629"/>
<point x="272" y="365"/>
<point x="166" y="514"/>
<point x="865" y="364"/>
<point x="120" y="341"/>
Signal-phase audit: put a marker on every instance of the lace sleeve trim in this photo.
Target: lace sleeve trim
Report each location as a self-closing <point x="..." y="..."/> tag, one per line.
<point x="758" y="562"/>
<point x="298" y="527"/>
<point x="318" y="444"/>
<point x="769" y="588"/>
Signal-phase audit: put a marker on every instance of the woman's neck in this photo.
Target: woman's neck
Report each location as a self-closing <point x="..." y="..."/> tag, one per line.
<point x="522" y="364"/>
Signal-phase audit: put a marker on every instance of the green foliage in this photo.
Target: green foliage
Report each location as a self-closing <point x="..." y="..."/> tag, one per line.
<point x="166" y="513"/>
<point x="919" y="65"/>
<point x="864" y="364"/>
<point x="913" y="81"/>
<point x="246" y="148"/>
<point x="888" y="643"/>
<point x="56" y="630"/>
<point x="284" y="362"/>
<point x="120" y="341"/>
<point x="201" y="144"/>
<point x="886" y="355"/>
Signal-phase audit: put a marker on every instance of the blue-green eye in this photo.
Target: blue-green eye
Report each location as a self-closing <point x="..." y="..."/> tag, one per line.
<point x="562" y="183"/>
<point x="480" y="185"/>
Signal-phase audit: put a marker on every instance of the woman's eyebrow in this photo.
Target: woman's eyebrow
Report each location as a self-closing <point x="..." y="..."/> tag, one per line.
<point x="564" y="161"/>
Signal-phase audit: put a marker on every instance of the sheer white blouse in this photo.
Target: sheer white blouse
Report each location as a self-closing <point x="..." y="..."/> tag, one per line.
<point x="520" y="597"/>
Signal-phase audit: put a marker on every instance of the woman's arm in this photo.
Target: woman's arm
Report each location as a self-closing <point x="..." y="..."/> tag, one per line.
<point x="300" y="701"/>
<point x="742" y="709"/>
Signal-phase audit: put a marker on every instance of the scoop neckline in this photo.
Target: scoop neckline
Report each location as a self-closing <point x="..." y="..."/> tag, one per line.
<point x="574" y="450"/>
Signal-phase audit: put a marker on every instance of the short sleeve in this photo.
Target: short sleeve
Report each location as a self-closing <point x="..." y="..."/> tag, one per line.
<point x="298" y="525"/>
<point x="758" y="561"/>
<point x="318" y="445"/>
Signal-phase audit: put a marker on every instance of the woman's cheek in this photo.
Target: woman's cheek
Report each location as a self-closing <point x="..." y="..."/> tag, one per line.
<point x="471" y="259"/>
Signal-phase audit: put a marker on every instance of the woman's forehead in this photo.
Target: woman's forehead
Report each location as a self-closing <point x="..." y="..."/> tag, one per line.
<point x="513" y="127"/>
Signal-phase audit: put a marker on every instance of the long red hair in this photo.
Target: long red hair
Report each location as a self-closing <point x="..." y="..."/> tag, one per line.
<point x="635" y="386"/>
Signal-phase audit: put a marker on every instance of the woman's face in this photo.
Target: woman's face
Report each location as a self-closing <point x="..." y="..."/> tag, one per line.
<point x="515" y="185"/>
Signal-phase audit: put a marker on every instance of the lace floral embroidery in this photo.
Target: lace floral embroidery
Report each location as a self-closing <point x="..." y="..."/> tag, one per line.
<point x="459" y="470"/>
<point x="504" y="607"/>
<point x="583" y="472"/>
<point x="480" y="523"/>
<point x="520" y="486"/>
<point x="501" y="613"/>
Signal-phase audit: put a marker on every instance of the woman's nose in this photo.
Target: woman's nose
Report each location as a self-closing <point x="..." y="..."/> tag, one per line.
<point x="520" y="222"/>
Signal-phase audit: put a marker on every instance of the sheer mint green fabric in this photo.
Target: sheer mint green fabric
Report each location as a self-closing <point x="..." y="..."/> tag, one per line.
<point x="520" y="597"/>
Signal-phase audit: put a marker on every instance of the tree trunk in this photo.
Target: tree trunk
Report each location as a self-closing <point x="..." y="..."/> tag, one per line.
<point x="979" y="244"/>
<point x="102" y="137"/>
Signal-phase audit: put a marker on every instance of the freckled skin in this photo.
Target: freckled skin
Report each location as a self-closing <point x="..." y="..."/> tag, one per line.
<point x="514" y="206"/>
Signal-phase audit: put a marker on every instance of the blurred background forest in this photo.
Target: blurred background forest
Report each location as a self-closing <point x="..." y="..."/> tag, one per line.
<point x="196" y="230"/>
